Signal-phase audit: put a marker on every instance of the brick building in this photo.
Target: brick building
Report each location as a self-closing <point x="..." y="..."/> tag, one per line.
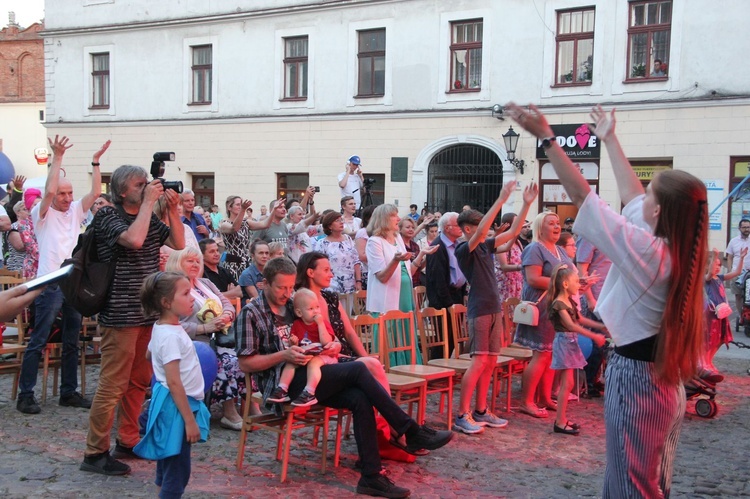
<point x="22" y="95"/>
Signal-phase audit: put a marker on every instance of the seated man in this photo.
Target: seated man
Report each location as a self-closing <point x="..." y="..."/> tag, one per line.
<point x="263" y="330"/>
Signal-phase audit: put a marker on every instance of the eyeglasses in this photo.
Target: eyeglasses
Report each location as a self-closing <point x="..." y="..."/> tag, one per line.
<point x="570" y="245"/>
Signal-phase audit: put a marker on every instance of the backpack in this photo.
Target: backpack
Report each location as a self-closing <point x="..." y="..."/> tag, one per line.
<point x="87" y="287"/>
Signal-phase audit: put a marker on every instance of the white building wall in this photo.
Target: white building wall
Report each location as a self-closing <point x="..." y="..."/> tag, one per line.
<point x="22" y="132"/>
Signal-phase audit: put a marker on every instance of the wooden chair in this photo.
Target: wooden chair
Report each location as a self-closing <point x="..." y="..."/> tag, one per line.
<point x="420" y="297"/>
<point x="433" y="333"/>
<point x="360" y="302"/>
<point x="10" y="279"/>
<point x="12" y="365"/>
<point x="292" y="419"/>
<point x="4" y="272"/>
<point x="89" y="338"/>
<point x="404" y="389"/>
<point x="398" y="336"/>
<point x="459" y="329"/>
<point x="521" y="355"/>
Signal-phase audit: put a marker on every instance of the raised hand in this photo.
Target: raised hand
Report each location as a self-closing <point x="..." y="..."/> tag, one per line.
<point x="530" y="193"/>
<point x="98" y="154"/>
<point x="506" y="191"/>
<point x="59" y="146"/>
<point x="531" y="120"/>
<point x="245" y="205"/>
<point x="604" y="123"/>
<point x="18" y="182"/>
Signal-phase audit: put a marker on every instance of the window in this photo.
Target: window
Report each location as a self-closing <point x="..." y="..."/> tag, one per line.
<point x="100" y="80"/>
<point x="466" y="55"/>
<point x="371" y="58"/>
<point x="648" y="39"/>
<point x="295" y="68"/>
<point x="291" y="185"/>
<point x="202" y="74"/>
<point x="107" y="183"/>
<point x="203" y="188"/>
<point x="575" y="47"/>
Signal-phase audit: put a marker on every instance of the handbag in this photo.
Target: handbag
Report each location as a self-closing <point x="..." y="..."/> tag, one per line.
<point x="224" y="340"/>
<point x="527" y="312"/>
<point x="722" y="310"/>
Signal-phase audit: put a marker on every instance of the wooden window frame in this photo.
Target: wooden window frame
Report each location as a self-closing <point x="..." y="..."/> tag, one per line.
<point x="575" y="38"/>
<point x="649" y="30"/>
<point x="282" y="191"/>
<point x="100" y="79"/>
<point x="468" y="46"/>
<point x="207" y="71"/>
<point x="298" y="62"/>
<point x="372" y="56"/>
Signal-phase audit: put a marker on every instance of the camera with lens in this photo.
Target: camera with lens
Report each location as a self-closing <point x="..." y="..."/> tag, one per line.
<point x="157" y="171"/>
<point x="367" y="183"/>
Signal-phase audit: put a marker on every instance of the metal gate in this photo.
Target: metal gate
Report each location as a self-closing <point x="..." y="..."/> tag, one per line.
<point x="461" y="175"/>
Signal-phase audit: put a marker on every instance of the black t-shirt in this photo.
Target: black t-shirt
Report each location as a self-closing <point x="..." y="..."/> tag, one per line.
<point x="221" y="279"/>
<point x="479" y="269"/>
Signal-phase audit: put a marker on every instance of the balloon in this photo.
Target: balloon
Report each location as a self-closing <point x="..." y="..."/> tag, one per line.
<point x="586" y="344"/>
<point x="209" y="363"/>
<point x="7" y="172"/>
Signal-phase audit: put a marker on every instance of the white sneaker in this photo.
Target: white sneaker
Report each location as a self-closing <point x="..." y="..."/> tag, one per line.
<point x="466" y="424"/>
<point x="489" y="419"/>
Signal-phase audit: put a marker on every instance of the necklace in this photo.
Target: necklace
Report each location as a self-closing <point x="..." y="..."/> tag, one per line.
<point x="556" y="254"/>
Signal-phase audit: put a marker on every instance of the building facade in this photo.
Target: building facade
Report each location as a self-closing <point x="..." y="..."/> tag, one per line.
<point x="264" y="97"/>
<point x="22" y="102"/>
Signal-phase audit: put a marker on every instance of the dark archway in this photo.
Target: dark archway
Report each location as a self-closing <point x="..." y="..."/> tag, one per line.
<point x="464" y="174"/>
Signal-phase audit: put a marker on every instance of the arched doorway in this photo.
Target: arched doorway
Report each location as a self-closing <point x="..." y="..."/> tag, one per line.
<point x="464" y="174"/>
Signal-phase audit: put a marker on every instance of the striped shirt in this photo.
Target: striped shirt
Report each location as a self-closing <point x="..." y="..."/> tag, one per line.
<point x="124" y="306"/>
<point x="259" y="331"/>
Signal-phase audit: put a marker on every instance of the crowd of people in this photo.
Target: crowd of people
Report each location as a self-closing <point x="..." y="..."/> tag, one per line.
<point x="259" y="290"/>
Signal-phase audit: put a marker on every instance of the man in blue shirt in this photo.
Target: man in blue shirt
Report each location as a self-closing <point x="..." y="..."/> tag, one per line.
<point x="198" y="224"/>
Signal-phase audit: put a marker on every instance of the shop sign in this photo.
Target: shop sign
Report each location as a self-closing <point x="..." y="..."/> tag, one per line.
<point x="715" y="191"/>
<point x="646" y="173"/>
<point x="576" y="140"/>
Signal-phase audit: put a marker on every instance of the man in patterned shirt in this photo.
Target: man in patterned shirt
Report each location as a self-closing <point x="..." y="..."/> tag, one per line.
<point x="263" y="329"/>
<point x="131" y="233"/>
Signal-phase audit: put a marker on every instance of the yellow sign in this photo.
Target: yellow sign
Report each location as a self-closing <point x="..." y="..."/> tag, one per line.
<point x="648" y="172"/>
<point x="741" y="169"/>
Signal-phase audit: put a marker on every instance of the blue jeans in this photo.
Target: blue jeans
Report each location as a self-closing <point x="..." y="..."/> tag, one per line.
<point x="47" y="306"/>
<point x="173" y="473"/>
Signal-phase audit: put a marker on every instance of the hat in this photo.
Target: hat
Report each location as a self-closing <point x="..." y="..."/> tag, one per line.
<point x="569" y="220"/>
<point x="30" y="195"/>
<point x="355" y="160"/>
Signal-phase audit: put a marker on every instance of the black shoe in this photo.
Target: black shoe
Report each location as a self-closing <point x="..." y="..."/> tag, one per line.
<point x="75" y="399"/>
<point x="591" y="393"/>
<point x="381" y="486"/>
<point x="28" y="405"/>
<point x="568" y="429"/>
<point x="124" y="452"/>
<point x="104" y="464"/>
<point x="427" y="438"/>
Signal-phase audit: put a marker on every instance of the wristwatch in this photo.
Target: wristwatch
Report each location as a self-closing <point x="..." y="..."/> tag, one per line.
<point x="547" y="142"/>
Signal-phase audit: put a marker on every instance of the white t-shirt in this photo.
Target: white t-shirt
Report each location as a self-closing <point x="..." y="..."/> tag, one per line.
<point x="352" y="188"/>
<point x="169" y="343"/>
<point x="3" y="213"/>
<point x="734" y="248"/>
<point x="57" y="234"/>
<point x="634" y="294"/>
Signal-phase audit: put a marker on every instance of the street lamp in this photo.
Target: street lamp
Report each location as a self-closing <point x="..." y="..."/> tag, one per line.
<point x="511" y="142"/>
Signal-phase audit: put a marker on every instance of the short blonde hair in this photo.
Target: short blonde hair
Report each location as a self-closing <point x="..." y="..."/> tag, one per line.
<point x="302" y="297"/>
<point x="536" y="225"/>
<point x="175" y="260"/>
<point x="379" y="222"/>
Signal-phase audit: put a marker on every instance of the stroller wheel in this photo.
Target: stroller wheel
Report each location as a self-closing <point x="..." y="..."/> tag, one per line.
<point x="737" y="325"/>
<point x="747" y="331"/>
<point x="705" y="408"/>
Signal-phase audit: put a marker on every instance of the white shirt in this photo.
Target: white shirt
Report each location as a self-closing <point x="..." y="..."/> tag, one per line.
<point x="57" y="234"/>
<point x="734" y="248"/>
<point x="169" y="343"/>
<point x="384" y="296"/>
<point x="352" y="188"/>
<point x="634" y="295"/>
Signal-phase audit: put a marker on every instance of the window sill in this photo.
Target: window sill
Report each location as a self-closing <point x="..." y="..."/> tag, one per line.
<point x="207" y="103"/>
<point x="644" y="79"/>
<point x="463" y="90"/>
<point x="572" y="84"/>
<point x="93" y="108"/>
<point x="373" y="96"/>
<point x="293" y="99"/>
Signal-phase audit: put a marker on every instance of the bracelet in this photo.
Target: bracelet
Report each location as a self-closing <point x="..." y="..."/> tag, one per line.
<point x="310" y="203"/>
<point x="95" y="164"/>
<point x="358" y="280"/>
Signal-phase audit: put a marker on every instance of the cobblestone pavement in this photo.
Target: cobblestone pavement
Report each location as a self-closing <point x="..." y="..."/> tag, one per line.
<point x="40" y="456"/>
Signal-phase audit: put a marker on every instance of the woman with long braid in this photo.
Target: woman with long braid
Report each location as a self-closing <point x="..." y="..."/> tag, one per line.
<point x="652" y="303"/>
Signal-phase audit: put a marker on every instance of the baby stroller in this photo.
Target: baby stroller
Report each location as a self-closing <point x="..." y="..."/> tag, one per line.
<point x="703" y="390"/>
<point x="744" y="315"/>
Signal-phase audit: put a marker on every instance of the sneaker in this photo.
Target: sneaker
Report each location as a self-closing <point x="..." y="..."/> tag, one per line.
<point x="278" y="395"/>
<point x="75" y="399"/>
<point x="489" y="419"/>
<point x="305" y="399"/>
<point x="381" y="486"/>
<point x="124" y="452"/>
<point x="466" y="424"/>
<point x="427" y="438"/>
<point x="28" y="405"/>
<point x="104" y="464"/>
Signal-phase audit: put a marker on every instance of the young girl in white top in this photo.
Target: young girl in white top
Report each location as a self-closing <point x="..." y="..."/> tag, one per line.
<point x="178" y="394"/>
<point x="564" y="284"/>
<point x="651" y="302"/>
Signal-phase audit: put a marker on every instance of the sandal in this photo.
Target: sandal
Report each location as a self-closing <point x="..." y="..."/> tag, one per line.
<point x="568" y="429"/>
<point x="539" y="412"/>
<point x="419" y="452"/>
<point x="552" y="406"/>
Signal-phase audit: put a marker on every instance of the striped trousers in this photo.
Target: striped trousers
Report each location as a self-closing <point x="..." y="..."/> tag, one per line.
<point x="643" y="417"/>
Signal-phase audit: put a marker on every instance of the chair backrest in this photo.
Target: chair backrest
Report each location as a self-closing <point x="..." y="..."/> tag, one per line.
<point x="4" y="272"/>
<point x="360" y="302"/>
<point x="420" y="297"/>
<point x="433" y="333"/>
<point x="459" y="328"/>
<point x="8" y="281"/>
<point x="509" y="327"/>
<point x="21" y="322"/>
<point x="397" y="335"/>
<point x="364" y="326"/>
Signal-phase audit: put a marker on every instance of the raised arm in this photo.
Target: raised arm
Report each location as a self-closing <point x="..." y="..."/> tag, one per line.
<point x="529" y="195"/>
<point x="59" y="146"/>
<point x="96" y="178"/>
<point x="489" y="217"/>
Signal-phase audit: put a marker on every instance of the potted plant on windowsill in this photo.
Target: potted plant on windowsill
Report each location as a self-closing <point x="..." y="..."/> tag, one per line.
<point x="639" y="71"/>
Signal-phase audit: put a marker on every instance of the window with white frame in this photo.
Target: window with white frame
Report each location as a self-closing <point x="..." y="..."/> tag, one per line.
<point x="649" y="28"/>
<point x="295" y="68"/>
<point x="575" y="47"/>
<point x="100" y="80"/>
<point x="371" y="63"/>
<point x="466" y="55"/>
<point x="202" y="69"/>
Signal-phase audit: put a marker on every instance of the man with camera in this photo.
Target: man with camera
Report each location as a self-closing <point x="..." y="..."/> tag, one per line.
<point x="132" y="234"/>
<point x="351" y="180"/>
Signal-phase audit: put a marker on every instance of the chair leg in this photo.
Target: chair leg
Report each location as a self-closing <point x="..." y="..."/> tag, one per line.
<point x="450" y="402"/>
<point x="243" y="435"/>
<point x="45" y="372"/>
<point x="337" y="446"/>
<point x="16" y="377"/>
<point x="326" y="422"/>
<point x="287" y="443"/>
<point x="83" y="368"/>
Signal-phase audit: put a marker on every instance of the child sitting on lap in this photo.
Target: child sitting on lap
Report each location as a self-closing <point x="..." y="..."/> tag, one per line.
<point x="309" y="329"/>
